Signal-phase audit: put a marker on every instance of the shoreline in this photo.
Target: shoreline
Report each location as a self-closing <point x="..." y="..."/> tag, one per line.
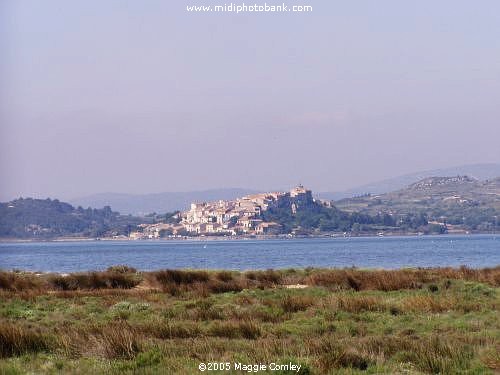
<point x="240" y="238"/>
<point x="299" y="270"/>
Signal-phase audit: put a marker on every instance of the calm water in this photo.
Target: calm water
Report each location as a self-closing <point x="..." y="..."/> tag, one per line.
<point x="379" y="252"/>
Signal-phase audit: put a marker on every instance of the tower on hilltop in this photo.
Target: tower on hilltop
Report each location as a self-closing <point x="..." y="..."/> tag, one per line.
<point x="299" y="190"/>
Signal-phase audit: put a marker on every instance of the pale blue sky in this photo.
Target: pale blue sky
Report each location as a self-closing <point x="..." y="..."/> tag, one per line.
<point x="142" y="96"/>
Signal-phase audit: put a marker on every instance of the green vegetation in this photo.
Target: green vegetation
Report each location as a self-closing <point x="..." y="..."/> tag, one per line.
<point x="459" y="201"/>
<point x="346" y="321"/>
<point x="315" y="217"/>
<point x="432" y="206"/>
<point x="46" y="218"/>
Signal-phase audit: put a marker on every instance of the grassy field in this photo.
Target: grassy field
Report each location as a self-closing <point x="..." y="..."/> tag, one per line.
<point x="327" y="321"/>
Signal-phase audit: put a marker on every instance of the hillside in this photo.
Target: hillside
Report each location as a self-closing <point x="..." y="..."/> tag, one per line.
<point x="286" y="212"/>
<point x="460" y="200"/>
<point x="484" y="171"/>
<point x="431" y="205"/>
<point x="140" y="204"/>
<point x="46" y="218"/>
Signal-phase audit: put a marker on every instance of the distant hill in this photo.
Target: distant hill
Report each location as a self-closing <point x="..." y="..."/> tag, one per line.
<point x="46" y="218"/>
<point x="477" y="171"/>
<point x="456" y="200"/>
<point x="28" y="218"/>
<point x="430" y="205"/>
<point x="139" y="204"/>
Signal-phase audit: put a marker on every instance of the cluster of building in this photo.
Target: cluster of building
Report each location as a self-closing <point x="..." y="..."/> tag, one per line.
<point x="243" y="216"/>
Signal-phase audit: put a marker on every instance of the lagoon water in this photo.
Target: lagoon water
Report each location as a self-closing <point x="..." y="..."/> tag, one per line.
<point x="368" y="252"/>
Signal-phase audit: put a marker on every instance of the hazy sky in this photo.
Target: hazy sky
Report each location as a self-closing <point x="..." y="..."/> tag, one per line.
<point x="142" y="96"/>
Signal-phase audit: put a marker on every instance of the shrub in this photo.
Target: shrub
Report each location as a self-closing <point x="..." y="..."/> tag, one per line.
<point x="224" y="276"/>
<point x="117" y="280"/>
<point x="216" y="286"/>
<point x="394" y="310"/>
<point x="94" y="280"/>
<point x="433" y="288"/>
<point x="266" y="278"/>
<point x="121" y="269"/>
<point x="181" y="277"/>
<point x="19" y="282"/>
<point x="176" y="282"/>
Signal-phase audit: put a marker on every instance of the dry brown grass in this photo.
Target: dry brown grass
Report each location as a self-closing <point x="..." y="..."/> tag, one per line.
<point x="101" y="293"/>
<point x="347" y="331"/>
<point x="224" y="276"/>
<point x="118" y="341"/>
<point x="19" y="282"/>
<point x="94" y="280"/>
<point x="491" y="358"/>
<point x="398" y="279"/>
<point x="292" y="304"/>
<point x="203" y="283"/>
<point x="368" y="280"/>
<point x="334" y="355"/>
<point x="430" y="304"/>
<point x="170" y="330"/>
<point x="432" y="354"/>
<point x="440" y="356"/>
<point x="113" y="340"/>
<point x="179" y="277"/>
<point x="17" y="339"/>
<point x="265" y="279"/>
<point x="490" y="276"/>
<point x="356" y="304"/>
<point x="236" y="329"/>
<point x="204" y="310"/>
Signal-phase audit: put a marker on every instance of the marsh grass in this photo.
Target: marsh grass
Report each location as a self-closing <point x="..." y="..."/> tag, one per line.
<point x="118" y="341"/>
<point x="171" y="330"/>
<point x="292" y="304"/>
<point x="177" y="282"/>
<point x="17" y="339"/>
<point x="358" y="303"/>
<point x="20" y="282"/>
<point x="236" y="329"/>
<point x="94" y="280"/>
<point x="345" y="321"/>
<point x="399" y="279"/>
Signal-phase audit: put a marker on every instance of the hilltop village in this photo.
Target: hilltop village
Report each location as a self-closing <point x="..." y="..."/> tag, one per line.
<point x="243" y="216"/>
<point x="434" y="205"/>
